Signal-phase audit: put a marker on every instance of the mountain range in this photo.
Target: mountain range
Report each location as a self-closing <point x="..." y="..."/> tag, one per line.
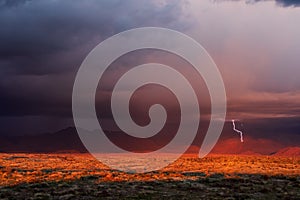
<point x="68" y="141"/>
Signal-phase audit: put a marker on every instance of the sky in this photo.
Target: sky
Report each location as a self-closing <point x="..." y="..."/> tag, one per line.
<point x="255" y="45"/>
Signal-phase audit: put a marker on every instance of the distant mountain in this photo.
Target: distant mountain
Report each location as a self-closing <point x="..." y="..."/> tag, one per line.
<point x="288" y="151"/>
<point x="250" y="153"/>
<point x="63" y="141"/>
<point x="253" y="146"/>
<point x="68" y="141"/>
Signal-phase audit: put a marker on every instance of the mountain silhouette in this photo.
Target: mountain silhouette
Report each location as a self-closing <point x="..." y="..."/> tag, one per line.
<point x="68" y="141"/>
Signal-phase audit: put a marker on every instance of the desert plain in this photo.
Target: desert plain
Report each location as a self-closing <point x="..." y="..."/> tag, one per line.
<point x="81" y="176"/>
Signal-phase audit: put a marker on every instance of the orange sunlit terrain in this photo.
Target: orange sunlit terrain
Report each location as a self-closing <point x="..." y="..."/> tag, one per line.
<point x="23" y="170"/>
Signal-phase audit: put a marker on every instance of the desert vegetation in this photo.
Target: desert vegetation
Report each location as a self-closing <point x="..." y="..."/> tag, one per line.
<point x="77" y="176"/>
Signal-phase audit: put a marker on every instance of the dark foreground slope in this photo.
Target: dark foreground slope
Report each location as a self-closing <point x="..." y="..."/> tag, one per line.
<point x="211" y="187"/>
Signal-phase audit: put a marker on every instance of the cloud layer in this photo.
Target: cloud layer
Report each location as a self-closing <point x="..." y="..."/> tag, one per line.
<point x="255" y="45"/>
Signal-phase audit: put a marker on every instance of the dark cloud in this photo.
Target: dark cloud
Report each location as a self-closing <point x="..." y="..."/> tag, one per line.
<point x="11" y="3"/>
<point x="36" y="32"/>
<point x="285" y="3"/>
<point x="282" y="130"/>
<point x="42" y="44"/>
<point x="288" y="2"/>
<point x="36" y="95"/>
<point x="294" y="3"/>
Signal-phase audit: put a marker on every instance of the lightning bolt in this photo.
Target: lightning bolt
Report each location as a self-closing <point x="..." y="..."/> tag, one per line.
<point x="238" y="131"/>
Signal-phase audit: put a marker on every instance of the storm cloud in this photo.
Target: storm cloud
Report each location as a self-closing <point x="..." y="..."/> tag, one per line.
<point x="285" y="3"/>
<point x="42" y="44"/>
<point x="256" y="47"/>
<point x="33" y="32"/>
<point x="288" y="2"/>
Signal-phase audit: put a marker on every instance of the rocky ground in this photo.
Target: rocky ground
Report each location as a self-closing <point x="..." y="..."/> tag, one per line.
<point x="77" y="176"/>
